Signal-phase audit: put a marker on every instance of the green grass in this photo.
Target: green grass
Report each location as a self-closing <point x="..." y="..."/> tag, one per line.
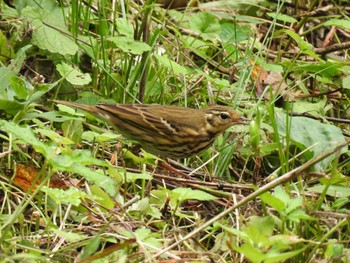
<point x="275" y="190"/>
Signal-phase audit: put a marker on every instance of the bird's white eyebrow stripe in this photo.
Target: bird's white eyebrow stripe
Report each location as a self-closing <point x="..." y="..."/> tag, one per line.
<point x="220" y="111"/>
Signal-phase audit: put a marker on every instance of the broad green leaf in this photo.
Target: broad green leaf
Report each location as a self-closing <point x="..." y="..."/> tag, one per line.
<point x="49" y="31"/>
<point x="25" y="134"/>
<point x="346" y="82"/>
<point x="73" y="75"/>
<point x="52" y="40"/>
<point x="124" y="27"/>
<point x="99" y="137"/>
<point x="274" y="256"/>
<point x="91" y="248"/>
<point x="298" y="214"/>
<point x="304" y="46"/>
<point x="6" y="48"/>
<point x="325" y="69"/>
<point x="11" y="107"/>
<point x="306" y="132"/>
<point x="52" y="116"/>
<point x="64" y="159"/>
<point x="171" y="65"/>
<point x="273" y="201"/>
<point x="19" y="86"/>
<point x="40" y="90"/>
<point x="69" y="110"/>
<point x="143" y="206"/>
<point x="333" y="190"/>
<point x="265" y="225"/>
<point x="206" y="24"/>
<point x="70" y="196"/>
<point x="252" y="253"/>
<point x="103" y="198"/>
<point x="233" y="32"/>
<point x="17" y="62"/>
<point x="342" y="23"/>
<point x="132" y="177"/>
<point x="130" y="45"/>
<point x="268" y="148"/>
<point x="54" y="136"/>
<point x="314" y="108"/>
<point x="282" y="17"/>
<point x="71" y="237"/>
<point x="190" y="194"/>
<point x="5" y="75"/>
<point x="152" y="239"/>
<point x="77" y="162"/>
<point x="73" y="129"/>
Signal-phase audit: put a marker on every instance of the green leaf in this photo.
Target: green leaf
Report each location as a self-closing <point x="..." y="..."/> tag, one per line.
<point x="234" y="32"/>
<point x="73" y="75"/>
<point x="274" y="256"/>
<point x="60" y="196"/>
<point x="6" y="48"/>
<point x="132" y="177"/>
<point x="333" y="190"/>
<point x="64" y="159"/>
<point x="206" y="24"/>
<point x="325" y="69"/>
<point x="69" y="236"/>
<point x="306" y="132"/>
<point x="273" y="201"/>
<point x="298" y="214"/>
<point x="103" y="198"/>
<point x="315" y="108"/>
<point x="52" y="40"/>
<point x="26" y="134"/>
<point x="52" y="116"/>
<point x="69" y="110"/>
<point x="17" y="62"/>
<point x="171" y="65"/>
<point x="290" y="204"/>
<point x="342" y="23"/>
<point x="304" y="46"/>
<point x="190" y="194"/>
<point x="92" y="136"/>
<point x="143" y="206"/>
<point x="124" y="27"/>
<point x="19" y="87"/>
<point x="5" y="75"/>
<point x="49" y="31"/>
<point x="54" y="136"/>
<point x="129" y="45"/>
<point x="346" y="82"/>
<point x="282" y="17"/>
<point x="251" y="253"/>
<point x="152" y="239"/>
<point x="76" y="162"/>
<point x="73" y="129"/>
<point x="11" y="107"/>
<point x="91" y="248"/>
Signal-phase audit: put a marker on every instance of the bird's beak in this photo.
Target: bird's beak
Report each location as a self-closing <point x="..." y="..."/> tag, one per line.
<point x="243" y="120"/>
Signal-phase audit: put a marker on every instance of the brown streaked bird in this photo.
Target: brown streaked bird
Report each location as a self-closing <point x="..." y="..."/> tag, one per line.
<point x="167" y="131"/>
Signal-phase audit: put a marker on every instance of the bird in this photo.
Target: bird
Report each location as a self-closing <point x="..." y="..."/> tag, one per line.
<point x="163" y="130"/>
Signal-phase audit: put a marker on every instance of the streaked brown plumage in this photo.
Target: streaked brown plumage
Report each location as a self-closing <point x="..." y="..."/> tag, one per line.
<point x="168" y="131"/>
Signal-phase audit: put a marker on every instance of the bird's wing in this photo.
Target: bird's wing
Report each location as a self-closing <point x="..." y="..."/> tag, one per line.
<point x="152" y="119"/>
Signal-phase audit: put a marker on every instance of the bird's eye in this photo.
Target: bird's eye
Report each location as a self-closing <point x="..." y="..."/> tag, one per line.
<point x="224" y="116"/>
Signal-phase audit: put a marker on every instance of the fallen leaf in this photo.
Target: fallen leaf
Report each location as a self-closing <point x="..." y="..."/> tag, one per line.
<point x="26" y="176"/>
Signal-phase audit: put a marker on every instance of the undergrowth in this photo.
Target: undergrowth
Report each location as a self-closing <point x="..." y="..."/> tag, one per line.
<point x="275" y="190"/>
